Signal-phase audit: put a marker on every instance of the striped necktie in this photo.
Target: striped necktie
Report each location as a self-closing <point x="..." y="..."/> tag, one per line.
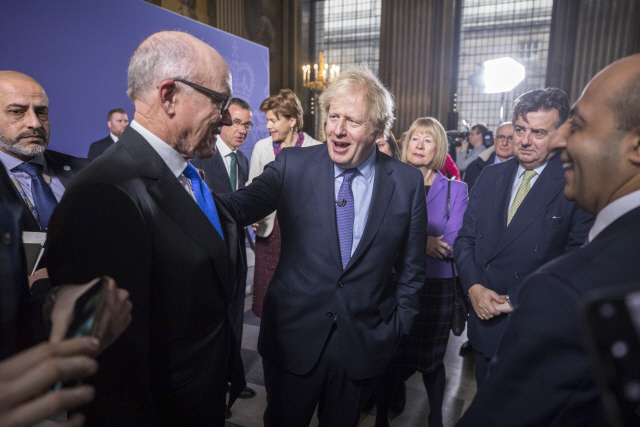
<point x="523" y="190"/>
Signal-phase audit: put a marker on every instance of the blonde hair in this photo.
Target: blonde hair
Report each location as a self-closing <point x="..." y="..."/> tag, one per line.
<point x="431" y="126"/>
<point x="379" y="101"/>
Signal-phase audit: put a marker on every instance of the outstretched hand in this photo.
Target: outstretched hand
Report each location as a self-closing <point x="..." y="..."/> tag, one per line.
<point x="26" y="378"/>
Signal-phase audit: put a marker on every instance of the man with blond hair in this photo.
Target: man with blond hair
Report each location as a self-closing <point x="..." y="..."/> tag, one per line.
<point x="143" y="215"/>
<point x="348" y="215"/>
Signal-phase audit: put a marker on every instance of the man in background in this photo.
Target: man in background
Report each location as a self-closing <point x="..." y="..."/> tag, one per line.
<point x="117" y="121"/>
<point x="39" y="176"/>
<point x="517" y="219"/>
<point x="471" y="147"/>
<point x="542" y="374"/>
<point x="228" y="171"/>
<point x="501" y="151"/>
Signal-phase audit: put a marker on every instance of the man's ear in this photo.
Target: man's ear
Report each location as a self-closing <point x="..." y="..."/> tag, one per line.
<point x="167" y="92"/>
<point x="109" y="124"/>
<point x="633" y="141"/>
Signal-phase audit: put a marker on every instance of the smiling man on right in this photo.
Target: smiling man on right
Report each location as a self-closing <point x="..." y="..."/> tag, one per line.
<point x="541" y="374"/>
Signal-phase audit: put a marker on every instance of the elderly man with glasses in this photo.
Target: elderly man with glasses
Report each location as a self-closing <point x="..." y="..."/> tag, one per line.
<point x="143" y="214"/>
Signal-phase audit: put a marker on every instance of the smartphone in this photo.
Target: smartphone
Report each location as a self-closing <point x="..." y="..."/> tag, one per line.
<point x="611" y="326"/>
<point x="86" y="314"/>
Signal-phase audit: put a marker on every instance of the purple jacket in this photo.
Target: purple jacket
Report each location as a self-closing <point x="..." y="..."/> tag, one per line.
<point x="438" y="225"/>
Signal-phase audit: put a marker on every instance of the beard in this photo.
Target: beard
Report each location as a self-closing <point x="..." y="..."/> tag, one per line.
<point x="13" y="146"/>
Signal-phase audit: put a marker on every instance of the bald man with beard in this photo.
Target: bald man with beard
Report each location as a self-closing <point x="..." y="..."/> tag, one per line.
<point x="39" y="175"/>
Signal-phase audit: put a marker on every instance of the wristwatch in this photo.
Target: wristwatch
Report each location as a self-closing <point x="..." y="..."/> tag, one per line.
<point x="509" y="302"/>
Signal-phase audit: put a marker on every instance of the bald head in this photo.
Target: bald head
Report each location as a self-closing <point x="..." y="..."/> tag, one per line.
<point x="180" y="87"/>
<point x="24" y="115"/>
<point x="171" y="54"/>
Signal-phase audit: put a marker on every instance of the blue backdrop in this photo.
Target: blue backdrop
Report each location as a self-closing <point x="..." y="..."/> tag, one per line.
<point x="79" y="51"/>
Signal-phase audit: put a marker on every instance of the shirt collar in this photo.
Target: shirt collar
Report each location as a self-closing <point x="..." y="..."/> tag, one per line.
<point x="538" y="170"/>
<point x="222" y="147"/>
<point x="11" y="162"/>
<point x="613" y="211"/>
<point x="171" y="157"/>
<point x="115" y="138"/>
<point x="366" y="168"/>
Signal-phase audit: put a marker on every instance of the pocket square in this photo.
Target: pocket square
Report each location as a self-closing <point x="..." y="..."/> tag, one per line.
<point x="556" y="217"/>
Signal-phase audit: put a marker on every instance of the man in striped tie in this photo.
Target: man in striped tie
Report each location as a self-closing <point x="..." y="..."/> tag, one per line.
<point x="517" y="219"/>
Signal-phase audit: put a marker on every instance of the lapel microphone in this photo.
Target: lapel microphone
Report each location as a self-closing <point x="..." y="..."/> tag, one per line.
<point x="341" y="203"/>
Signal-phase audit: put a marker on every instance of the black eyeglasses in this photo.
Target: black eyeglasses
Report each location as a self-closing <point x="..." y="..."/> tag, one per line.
<point x="236" y="123"/>
<point x="225" y="98"/>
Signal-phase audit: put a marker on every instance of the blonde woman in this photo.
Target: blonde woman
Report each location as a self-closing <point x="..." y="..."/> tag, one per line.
<point x="425" y="148"/>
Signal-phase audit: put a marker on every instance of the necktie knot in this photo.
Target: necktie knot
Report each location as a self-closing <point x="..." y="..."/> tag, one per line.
<point x="43" y="198"/>
<point x="192" y="173"/>
<point x="349" y="174"/>
<point x="529" y="174"/>
<point x="32" y="169"/>
<point x="232" y="155"/>
<point x="522" y="192"/>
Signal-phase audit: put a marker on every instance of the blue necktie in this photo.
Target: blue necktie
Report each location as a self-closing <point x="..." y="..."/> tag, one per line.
<point x="345" y="214"/>
<point x="43" y="198"/>
<point x="203" y="197"/>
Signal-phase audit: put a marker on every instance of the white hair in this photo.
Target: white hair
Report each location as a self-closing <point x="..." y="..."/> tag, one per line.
<point x="163" y="55"/>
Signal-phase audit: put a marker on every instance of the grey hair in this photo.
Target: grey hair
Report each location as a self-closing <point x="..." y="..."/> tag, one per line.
<point x="379" y="101"/>
<point x="163" y="55"/>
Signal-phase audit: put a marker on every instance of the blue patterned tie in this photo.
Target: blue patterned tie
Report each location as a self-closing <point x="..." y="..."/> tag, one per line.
<point x="43" y="197"/>
<point x="345" y="213"/>
<point x="203" y="197"/>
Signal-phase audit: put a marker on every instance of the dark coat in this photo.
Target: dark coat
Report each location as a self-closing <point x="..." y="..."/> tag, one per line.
<point x="309" y="288"/>
<point x="98" y="147"/>
<point x="473" y="170"/>
<point x="498" y="257"/>
<point x="126" y="215"/>
<point x="542" y="374"/>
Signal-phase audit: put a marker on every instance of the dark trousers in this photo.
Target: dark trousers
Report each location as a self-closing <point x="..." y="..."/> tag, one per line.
<point x="482" y="368"/>
<point x="292" y="399"/>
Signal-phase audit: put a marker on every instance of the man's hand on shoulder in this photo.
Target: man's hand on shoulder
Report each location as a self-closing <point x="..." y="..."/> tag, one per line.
<point x="484" y="301"/>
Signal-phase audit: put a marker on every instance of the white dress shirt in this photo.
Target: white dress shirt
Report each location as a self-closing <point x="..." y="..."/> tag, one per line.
<point x="115" y="138"/>
<point x="362" y="188"/>
<point x="174" y="161"/>
<point x="613" y="211"/>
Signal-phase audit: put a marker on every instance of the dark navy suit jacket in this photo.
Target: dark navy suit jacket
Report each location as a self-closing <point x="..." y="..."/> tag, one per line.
<point x="98" y="147"/>
<point x="498" y="257"/>
<point x="541" y="375"/>
<point x="310" y="288"/>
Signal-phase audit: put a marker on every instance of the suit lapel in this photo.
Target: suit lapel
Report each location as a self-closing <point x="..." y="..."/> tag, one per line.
<point x="62" y="171"/>
<point x="544" y="190"/>
<point x="219" y="172"/>
<point x="167" y="191"/>
<point x="439" y="184"/>
<point x="501" y="195"/>
<point x="321" y="176"/>
<point x="382" y="191"/>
